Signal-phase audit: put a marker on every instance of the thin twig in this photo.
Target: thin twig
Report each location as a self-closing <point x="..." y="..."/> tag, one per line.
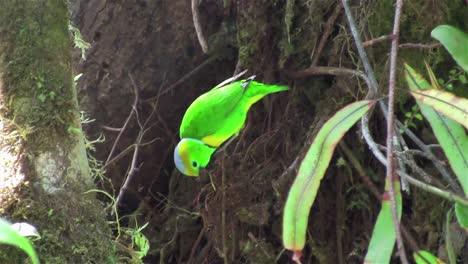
<point x="198" y="27"/>
<point x="415" y="168"/>
<point x="357" y="166"/>
<point x="434" y="190"/>
<point x="258" y="245"/>
<point x="112" y="129"/>
<point x="183" y="79"/>
<point x="362" y="53"/>
<point x="127" y="121"/>
<point x="328" y="71"/>
<point x="133" y="166"/>
<point x="390" y="129"/>
<point x="138" y="142"/>
<point x="370" y="141"/>
<point x="401" y="46"/>
<point x="419" y="46"/>
<point x="131" y="172"/>
<point x="326" y="33"/>
<point x="223" y="212"/>
<point x="377" y="40"/>
<point x="195" y="245"/>
<point x="118" y="157"/>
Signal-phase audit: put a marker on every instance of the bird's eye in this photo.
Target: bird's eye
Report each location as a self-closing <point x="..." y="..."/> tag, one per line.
<point x="194" y="164"/>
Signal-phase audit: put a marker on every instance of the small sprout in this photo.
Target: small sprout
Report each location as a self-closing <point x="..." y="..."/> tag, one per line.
<point x="42" y="97"/>
<point x="52" y="95"/>
<point x="74" y="130"/>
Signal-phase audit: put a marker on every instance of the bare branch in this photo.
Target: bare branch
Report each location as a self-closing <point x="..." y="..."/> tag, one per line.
<point x="434" y="190"/>
<point x="328" y="71"/>
<point x="326" y="33"/>
<point x="138" y="143"/>
<point x="388" y="113"/>
<point x="198" y="27"/>
<point x="122" y="130"/>
<point x="362" y="53"/>
<point x="390" y="129"/>
<point x="428" y="152"/>
<point x="377" y="40"/>
<point x="419" y="46"/>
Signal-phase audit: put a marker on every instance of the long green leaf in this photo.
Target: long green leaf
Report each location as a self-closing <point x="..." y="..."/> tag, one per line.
<point x="445" y="103"/>
<point x="461" y="212"/>
<point x="11" y="237"/>
<point x="455" y="41"/>
<point x="424" y="257"/>
<point x="383" y="237"/>
<point x="450" y="134"/>
<point x="304" y="189"/>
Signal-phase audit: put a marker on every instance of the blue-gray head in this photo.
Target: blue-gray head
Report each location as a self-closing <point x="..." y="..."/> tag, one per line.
<point x="192" y="154"/>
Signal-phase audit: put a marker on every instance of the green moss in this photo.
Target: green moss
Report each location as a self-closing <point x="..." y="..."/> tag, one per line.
<point x="68" y="231"/>
<point x="39" y="100"/>
<point x="37" y="65"/>
<point x="302" y="30"/>
<point x="252" y="25"/>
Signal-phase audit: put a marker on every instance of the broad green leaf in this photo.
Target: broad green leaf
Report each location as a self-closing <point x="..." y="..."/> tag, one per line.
<point x="449" y="134"/>
<point x="455" y="41"/>
<point x="304" y="189"/>
<point x="461" y="212"/>
<point x="383" y="237"/>
<point x="445" y="103"/>
<point x="11" y="237"/>
<point x="424" y="257"/>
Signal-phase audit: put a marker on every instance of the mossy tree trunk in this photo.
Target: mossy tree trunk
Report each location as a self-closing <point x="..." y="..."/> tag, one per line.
<point x="44" y="171"/>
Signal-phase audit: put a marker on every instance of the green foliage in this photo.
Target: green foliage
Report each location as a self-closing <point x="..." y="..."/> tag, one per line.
<point x="455" y="41"/>
<point x="411" y="116"/>
<point x="424" y="257"/>
<point x="78" y="40"/>
<point x="435" y="102"/>
<point x="140" y="243"/>
<point x="457" y="78"/>
<point x="453" y="107"/>
<point x="95" y="165"/>
<point x="305" y="187"/>
<point x="10" y="236"/>
<point x="359" y="197"/>
<point x="450" y="134"/>
<point x="461" y="212"/>
<point x="383" y="237"/>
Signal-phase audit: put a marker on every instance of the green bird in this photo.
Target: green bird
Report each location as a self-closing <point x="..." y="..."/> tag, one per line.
<point x="215" y="117"/>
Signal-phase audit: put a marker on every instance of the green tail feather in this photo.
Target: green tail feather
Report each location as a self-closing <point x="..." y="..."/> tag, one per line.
<point x="259" y="89"/>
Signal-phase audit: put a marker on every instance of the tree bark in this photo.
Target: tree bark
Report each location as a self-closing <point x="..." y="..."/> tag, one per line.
<point x="43" y="162"/>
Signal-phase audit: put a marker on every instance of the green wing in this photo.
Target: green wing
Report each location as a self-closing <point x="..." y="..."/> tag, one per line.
<point x="208" y="113"/>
